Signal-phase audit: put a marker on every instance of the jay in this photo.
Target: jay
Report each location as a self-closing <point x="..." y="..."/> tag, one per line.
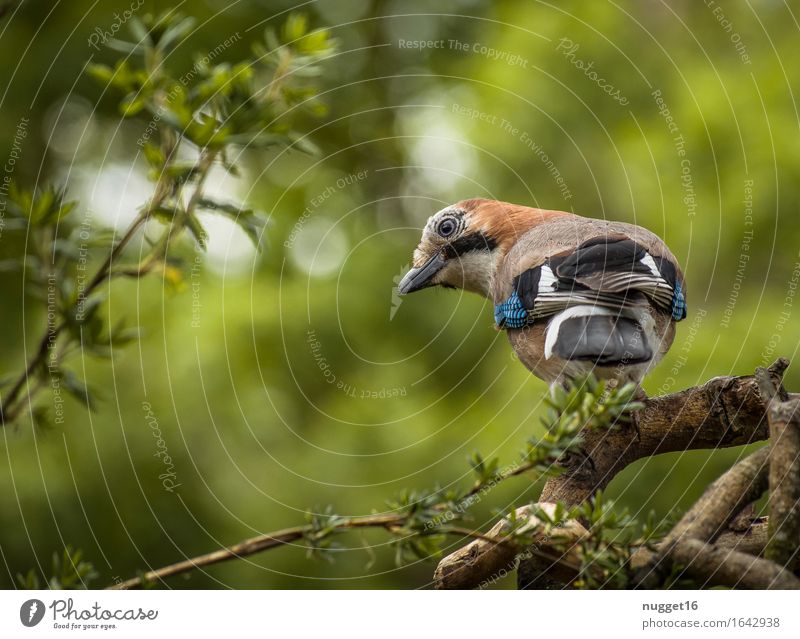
<point x="575" y="295"/>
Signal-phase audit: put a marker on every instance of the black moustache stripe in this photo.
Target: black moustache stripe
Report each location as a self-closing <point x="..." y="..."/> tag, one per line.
<point x="477" y="241"/>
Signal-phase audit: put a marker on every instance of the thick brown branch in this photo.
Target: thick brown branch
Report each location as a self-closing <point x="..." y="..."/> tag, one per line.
<point x="710" y="515"/>
<point x="710" y="565"/>
<point x="784" y="473"/>
<point x="751" y="540"/>
<point x="724" y="412"/>
<point x="742" y="484"/>
<point x="482" y="562"/>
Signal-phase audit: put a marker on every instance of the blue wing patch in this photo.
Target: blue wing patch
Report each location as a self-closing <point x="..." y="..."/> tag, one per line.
<point x="511" y="313"/>
<point x="678" y="303"/>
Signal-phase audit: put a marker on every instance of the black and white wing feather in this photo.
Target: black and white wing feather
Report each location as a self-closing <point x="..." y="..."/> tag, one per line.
<point x="612" y="272"/>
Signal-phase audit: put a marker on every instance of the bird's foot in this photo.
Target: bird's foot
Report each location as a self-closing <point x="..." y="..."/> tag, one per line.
<point x="638" y="396"/>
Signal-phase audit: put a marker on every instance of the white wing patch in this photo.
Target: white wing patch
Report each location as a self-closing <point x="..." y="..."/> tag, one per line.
<point x="547" y="280"/>
<point x="650" y="263"/>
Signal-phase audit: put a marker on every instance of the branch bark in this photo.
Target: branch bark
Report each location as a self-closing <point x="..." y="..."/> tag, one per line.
<point x="481" y="562"/>
<point x="783" y="415"/>
<point x="750" y="540"/>
<point x="724" y="412"/>
<point x="708" y="517"/>
<point x="711" y="565"/>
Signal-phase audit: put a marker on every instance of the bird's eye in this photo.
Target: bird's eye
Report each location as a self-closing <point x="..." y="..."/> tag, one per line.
<point x="447" y="227"/>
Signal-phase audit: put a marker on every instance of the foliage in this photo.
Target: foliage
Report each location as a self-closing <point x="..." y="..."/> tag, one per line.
<point x="421" y="520"/>
<point x="69" y="572"/>
<point x="205" y="113"/>
<point x="604" y="553"/>
<point x="213" y="106"/>
<point x="587" y="403"/>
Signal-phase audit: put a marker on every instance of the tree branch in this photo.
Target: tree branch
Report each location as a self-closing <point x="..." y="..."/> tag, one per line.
<point x="254" y="545"/>
<point x="751" y="539"/>
<point x="783" y="415"/>
<point x="724" y="412"/>
<point x="708" y="517"/>
<point x="483" y="561"/>
<point x="251" y="547"/>
<point x="13" y="403"/>
<point x="480" y="563"/>
<point x="742" y="484"/>
<point x="711" y="565"/>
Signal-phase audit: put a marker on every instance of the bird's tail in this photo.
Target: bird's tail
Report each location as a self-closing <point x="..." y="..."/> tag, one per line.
<point x="596" y="334"/>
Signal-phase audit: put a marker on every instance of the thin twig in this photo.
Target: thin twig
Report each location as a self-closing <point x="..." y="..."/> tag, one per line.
<point x="251" y="547"/>
<point x="261" y="543"/>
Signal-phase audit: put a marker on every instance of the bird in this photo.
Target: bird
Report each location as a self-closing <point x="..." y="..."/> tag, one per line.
<point x="575" y="295"/>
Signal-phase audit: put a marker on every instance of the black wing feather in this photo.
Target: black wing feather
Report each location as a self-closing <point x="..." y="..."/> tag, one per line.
<point x="600" y="255"/>
<point x="607" y="271"/>
<point x="527" y="286"/>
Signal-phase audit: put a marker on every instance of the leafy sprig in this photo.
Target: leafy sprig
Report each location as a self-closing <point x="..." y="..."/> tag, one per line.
<point x="196" y="120"/>
<point x="421" y="520"/>
<point x="68" y="572"/>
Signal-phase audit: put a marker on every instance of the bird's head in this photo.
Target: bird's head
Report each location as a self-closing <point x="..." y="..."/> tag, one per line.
<point x="462" y="243"/>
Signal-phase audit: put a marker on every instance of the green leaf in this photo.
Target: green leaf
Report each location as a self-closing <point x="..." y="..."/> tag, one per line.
<point x="197" y="231"/>
<point x="29" y="581"/>
<point x="101" y="73"/>
<point x="41" y="207"/>
<point x="132" y="104"/>
<point x="164" y="214"/>
<point x="122" y="335"/>
<point x="259" y="140"/>
<point x="182" y="172"/>
<point x="78" y="389"/>
<point x="295" y="27"/>
<point x="139" y="31"/>
<point x="247" y="220"/>
<point x="317" y="43"/>
<point x="303" y="143"/>
<point x="176" y="33"/>
<point x="70" y="572"/>
<point x="154" y="155"/>
<point x="486" y="471"/>
<point x="130" y="48"/>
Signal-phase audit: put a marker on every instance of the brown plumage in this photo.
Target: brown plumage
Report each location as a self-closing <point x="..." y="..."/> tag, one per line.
<point x="574" y="294"/>
<point x="506" y="222"/>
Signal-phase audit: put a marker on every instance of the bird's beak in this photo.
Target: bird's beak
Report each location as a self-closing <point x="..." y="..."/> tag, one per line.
<point x="421" y="276"/>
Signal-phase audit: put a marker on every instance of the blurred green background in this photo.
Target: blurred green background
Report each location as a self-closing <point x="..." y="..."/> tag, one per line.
<point x="233" y="364"/>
